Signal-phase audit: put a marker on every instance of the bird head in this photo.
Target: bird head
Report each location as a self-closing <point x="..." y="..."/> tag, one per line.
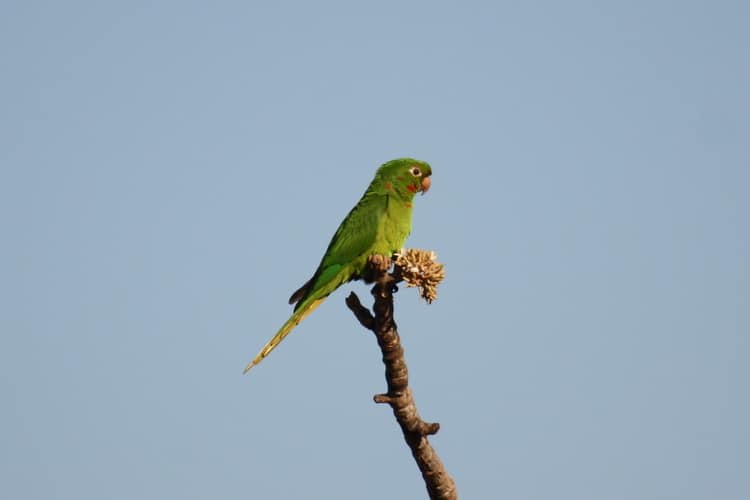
<point x="405" y="176"/>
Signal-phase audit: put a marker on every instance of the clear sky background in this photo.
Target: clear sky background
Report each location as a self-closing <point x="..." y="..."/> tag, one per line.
<point x="172" y="171"/>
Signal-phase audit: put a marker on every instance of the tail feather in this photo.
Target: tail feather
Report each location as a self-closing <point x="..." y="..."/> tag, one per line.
<point x="298" y="315"/>
<point x="302" y="291"/>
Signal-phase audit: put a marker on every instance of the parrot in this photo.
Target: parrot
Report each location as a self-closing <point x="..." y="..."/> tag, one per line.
<point x="377" y="225"/>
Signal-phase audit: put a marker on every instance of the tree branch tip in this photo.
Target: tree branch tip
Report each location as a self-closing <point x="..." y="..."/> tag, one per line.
<point x="363" y="315"/>
<point x="431" y="429"/>
<point x="382" y="399"/>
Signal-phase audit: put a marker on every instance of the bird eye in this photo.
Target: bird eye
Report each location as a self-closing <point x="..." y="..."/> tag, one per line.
<point x="415" y="171"/>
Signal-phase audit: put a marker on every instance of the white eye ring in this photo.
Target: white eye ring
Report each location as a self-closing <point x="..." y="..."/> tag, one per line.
<point x="415" y="171"/>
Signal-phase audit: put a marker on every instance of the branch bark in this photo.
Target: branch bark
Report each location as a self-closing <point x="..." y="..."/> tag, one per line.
<point x="439" y="483"/>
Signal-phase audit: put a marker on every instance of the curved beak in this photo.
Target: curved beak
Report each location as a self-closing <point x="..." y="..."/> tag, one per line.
<point x="426" y="184"/>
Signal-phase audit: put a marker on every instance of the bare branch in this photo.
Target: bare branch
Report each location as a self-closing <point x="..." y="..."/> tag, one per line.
<point x="440" y="484"/>
<point x="363" y="314"/>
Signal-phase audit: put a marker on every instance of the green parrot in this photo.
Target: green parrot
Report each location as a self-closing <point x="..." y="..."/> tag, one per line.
<point x="377" y="225"/>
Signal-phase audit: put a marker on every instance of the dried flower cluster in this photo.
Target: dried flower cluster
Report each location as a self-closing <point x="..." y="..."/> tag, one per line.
<point x="418" y="268"/>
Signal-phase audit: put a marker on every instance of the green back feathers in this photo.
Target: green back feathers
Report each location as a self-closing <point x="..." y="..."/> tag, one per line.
<point x="378" y="224"/>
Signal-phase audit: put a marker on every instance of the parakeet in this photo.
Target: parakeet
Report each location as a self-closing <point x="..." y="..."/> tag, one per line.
<point x="377" y="225"/>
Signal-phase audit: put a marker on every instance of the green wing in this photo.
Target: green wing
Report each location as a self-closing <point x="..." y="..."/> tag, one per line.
<point x="348" y="250"/>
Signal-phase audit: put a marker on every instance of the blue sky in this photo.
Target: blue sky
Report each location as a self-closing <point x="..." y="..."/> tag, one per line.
<point x="172" y="171"/>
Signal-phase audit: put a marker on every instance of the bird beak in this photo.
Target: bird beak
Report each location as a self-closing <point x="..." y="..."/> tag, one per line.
<point x="425" y="184"/>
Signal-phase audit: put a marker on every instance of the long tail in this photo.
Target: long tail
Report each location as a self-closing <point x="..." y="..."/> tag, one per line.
<point x="293" y="321"/>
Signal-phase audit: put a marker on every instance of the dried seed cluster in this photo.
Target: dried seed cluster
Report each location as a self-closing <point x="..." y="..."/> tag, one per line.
<point x="418" y="268"/>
